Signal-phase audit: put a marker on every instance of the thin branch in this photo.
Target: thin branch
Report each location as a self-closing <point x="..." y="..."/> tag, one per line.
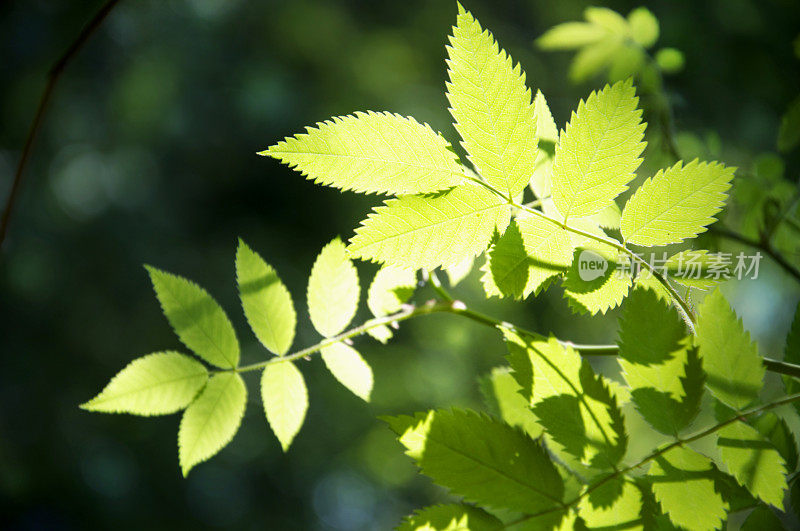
<point x="763" y="246"/>
<point x="457" y="307"/>
<point x="53" y="75"/>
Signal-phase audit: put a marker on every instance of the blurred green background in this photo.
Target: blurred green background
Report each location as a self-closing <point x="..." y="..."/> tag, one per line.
<point x="148" y="156"/>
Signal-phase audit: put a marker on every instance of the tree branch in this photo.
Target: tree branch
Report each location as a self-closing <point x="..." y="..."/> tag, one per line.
<point x="53" y="75"/>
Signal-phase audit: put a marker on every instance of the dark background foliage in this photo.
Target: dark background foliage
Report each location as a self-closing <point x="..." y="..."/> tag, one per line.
<point x="148" y="156"/>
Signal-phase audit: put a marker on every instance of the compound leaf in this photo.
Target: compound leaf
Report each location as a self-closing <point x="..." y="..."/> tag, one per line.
<point x="285" y="397"/>
<point x="491" y="106"/>
<point x="683" y="483"/>
<point x="211" y="421"/>
<point x="452" y="517"/>
<point x="753" y="461"/>
<point x="347" y="366"/>
<point x="598" y="152"/>
<point x="735" y="370"/>
<point x="156" y="384"/>
<point x="676" y="203"/>
<point x="372" y="152"/>
<point x="428" y="231"/>
<point x="333" y="290"/>
<point x="482" y="459"/>
<point x="266" y="302"/>
<point x="197" y="319"/>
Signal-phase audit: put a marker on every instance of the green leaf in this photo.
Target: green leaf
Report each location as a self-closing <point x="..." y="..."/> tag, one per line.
<point x="643" y="26"/>
<point x="598" y="152"/>
<point x="285" y="397"/>
<point x="570" y="35"/>
<point x="266" y="302"/>
<point x="683" y="484"/>
<point x="650" y="332"/>
<point x="458" y="272"/>
<point x="762" y="518"/>
<point x="347" y="366"/>
<point x="573" y="405"/>
<point x="491" y="106"/>
<point x="372" y="152"/>
<point x="197" y="319"/>
<point x="481" y="459"/>
<point x="735" y="370"/>
<point x="676" y="203"/>
<point x="211" y="421"/>
<point x="156" y="384"/>
<point x="428" y="231"/>
<point x="753" y="461"/>
<point x="659" y="363"/>
<point x="503" y="395"/>
<point x="693" y="269"/>
<point x="778" y="433"/>
<point x="390" y="288"/>
<point x="670" y="60"/>
<point x="603" y="292"/>
<point x="624" y="513"/>
<point x="547" y="132"/>
<point x="333" y="290"/>
<point x="791" y="354"/>
<point x="591" y="60"/>
<point x="530" y="252"/>
<point x="789" y="132"/>
<point x="453" y="517"/>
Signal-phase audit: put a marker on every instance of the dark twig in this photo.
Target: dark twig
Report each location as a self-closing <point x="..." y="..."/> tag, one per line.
<point x="763" y="246"/>
<point x="52" y="78"/>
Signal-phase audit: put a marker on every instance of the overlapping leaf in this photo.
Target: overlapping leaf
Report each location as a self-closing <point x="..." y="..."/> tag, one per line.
<point x="492" y="107"/>
<point x="526" y="256"/>
<point x="659" y="363"/>
<point x="428" y="231"/>
<point x="683" y="483"/>
<point x="481" y="459"/>
<point x="453" y="517"/>
<point x="597" y="290"/>
<point x="734" y="367"/>
<point x="390" y="288"/>
<point x="372" y="152"/>
<point x="504" y="399"/>
<point x="676" y="203"/>
<point x="753" y="461"/>
<point x="575" y="406"/>
<point x="598" y="152"/>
